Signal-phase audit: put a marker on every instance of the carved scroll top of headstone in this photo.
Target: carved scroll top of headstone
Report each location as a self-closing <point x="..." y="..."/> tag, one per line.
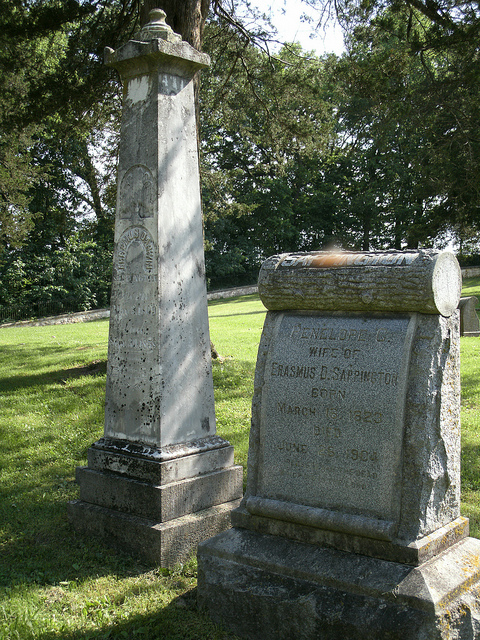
<point x="422" y="281"/>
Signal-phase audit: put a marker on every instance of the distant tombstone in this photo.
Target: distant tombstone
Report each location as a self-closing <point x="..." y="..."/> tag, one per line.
<point x="469" y="324"/>
<point x="350" y="526"/>
<point x="160" y="479"/>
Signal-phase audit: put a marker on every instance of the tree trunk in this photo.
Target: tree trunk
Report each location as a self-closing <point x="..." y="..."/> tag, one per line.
<point x="186" y="17"/>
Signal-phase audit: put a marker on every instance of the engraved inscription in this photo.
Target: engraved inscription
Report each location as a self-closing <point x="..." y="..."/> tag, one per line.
<point x="358" y="375"/>
<point x="292" y="371"/>
<point x="305" y="332"/>
<point x="338" y="394"/>
<point x="334" y="352"/>
<point x="137" y="193"/>
<point x="134" y="341"/>
<point x="139" y="309"/>
<point x="326" y="431"/>
<point x="301" y="331"/>
<point x="335" y="426"/>
<point x="289" y="409"/>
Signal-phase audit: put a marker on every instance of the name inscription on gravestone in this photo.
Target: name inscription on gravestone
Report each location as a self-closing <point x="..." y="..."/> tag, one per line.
<point x="332" y="412"/>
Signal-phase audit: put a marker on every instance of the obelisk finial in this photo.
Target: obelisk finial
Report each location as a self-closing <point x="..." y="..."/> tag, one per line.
<point x="158" y="28"/>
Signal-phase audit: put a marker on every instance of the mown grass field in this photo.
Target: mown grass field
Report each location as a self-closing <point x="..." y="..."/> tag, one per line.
<point x="57" y="585"/>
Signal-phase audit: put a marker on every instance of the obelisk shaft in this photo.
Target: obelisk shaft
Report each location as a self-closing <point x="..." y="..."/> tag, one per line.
<point x="159" y="382"/>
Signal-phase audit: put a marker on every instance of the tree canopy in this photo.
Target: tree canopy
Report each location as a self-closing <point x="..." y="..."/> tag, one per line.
<point x="376" y="148"/>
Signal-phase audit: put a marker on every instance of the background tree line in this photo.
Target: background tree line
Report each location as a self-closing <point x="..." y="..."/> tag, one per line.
<point x="377" y="148"/>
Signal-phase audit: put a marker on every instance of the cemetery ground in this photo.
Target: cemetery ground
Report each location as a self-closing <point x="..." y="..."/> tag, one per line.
<point x="55" y="584"/>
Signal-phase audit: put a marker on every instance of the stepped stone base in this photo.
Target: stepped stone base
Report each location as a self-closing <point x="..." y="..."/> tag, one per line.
<point x="414" y="553"/>
<point x="164" y="543"/>
<point x="265" y="587"/>
<point x="157" y="504"/>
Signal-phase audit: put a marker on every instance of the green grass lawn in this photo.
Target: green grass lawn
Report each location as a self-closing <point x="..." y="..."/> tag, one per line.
<point x="57" y="585"/>
<point x="471" y="287"/>
<point x="235" y="328"/>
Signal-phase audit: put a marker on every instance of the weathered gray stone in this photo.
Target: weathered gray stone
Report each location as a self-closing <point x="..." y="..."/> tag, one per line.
<point x="424" y="281"/>
<point x="362" y="416"/>
<point x="160" y="461"/>
<point x="171" y="464"/>
<point x="272" y="588"/>
<point x="412" y="553"/>
<point x="469" y="324"/>
<point x="159" y="382"/>
<point x="159" y="503"/>
<point x="350" y="526"/>
<point x="164" y="543"/>
<point x="330" y="386"/>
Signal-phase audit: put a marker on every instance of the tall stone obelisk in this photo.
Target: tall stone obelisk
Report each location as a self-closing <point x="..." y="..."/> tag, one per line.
<point x="160" y="480"/>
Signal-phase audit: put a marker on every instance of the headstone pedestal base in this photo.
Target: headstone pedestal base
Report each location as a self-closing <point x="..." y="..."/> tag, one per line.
<point x="157" y="503"/>
<point x="413" y="553"/>
<point x="273" y="588"/>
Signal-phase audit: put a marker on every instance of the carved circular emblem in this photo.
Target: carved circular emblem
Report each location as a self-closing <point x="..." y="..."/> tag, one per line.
<point x="135" y="247"/>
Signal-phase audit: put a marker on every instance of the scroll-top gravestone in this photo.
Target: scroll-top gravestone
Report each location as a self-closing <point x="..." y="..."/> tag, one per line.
<point x="469" y="323"/>
<point x="350" y="526"/>
<point x="160" y="479"/>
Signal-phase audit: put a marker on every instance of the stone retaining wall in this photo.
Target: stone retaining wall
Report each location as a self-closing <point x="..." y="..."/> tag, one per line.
<point x="100" y="314"/>
<point x="471" y="272"/>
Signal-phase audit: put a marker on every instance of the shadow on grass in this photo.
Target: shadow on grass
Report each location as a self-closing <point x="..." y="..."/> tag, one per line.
<point x="95" y="368"/>
<point x="38" y="455"/>
<point x="38" y="546"/>
<point x="45" y="417"/>
<point x="37" y="543"/>
<point x="232" y="378"/>
<point x="45" y="550"/>
<point x="179" y="620"/>
<point x="470" y="484"/>
<point x="470" y="390"/>
<point x="83" y="560"/>
<point x="241" y="313"/>
<point x="36" y="361"/>
<point x="470" y="469"/>
<point x="233" y="387"/>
